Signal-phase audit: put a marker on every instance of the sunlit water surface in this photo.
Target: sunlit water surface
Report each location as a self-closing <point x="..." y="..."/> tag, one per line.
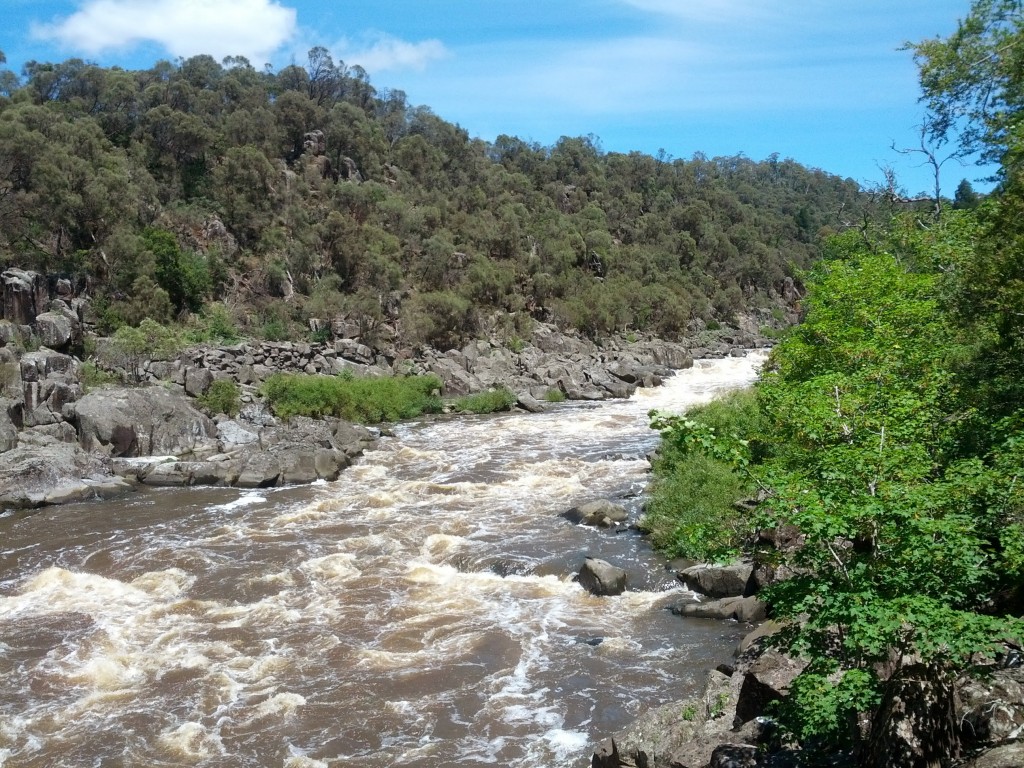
<point x="420" y="611"/>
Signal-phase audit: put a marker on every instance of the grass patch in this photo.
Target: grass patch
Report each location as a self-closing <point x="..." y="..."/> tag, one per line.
<point x="362" y="400"/>
<point x="495" y="400"/>
<point x="692" y="512"/>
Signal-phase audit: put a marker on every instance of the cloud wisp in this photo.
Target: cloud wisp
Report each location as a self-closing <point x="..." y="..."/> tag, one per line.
<point x="251" y="28"/>
<point x="386" y="53"/>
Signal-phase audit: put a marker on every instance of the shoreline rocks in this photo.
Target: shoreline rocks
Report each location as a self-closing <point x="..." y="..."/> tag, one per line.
<point x="44" y="403"/>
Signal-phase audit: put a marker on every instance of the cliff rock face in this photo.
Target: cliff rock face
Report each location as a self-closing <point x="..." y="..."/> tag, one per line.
<point x="25" y="296"/>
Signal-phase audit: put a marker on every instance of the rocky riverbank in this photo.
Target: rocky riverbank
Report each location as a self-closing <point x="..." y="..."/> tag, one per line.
<point x="62" y="441"/>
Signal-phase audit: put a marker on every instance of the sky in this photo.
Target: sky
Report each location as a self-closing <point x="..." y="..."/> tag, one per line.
<point x="822" y="82"/>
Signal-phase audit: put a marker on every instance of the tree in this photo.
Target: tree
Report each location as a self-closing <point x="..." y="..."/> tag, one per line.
<point x="972" y="82"/>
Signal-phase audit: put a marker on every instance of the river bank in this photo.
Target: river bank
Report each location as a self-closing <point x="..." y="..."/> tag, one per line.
<point x="63" y="440"/>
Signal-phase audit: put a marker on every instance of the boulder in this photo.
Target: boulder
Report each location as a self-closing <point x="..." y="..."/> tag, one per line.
<point x="44" y="470"/>
<point x="717" y="580"/>
<point x="141" y="422"/>
<point x="8" y="429"/>
<point x="25" y="295"/>
<point x="600" y="577"/>
<point x="746" y="609"/>
<point x="197" y="381"/>
<point x="529" y="403"/>
<point x="766" y="679"/>
<point x="599" y="512"/>
<point x="990" y="707"/>
<point x="1009" y="755"/>
<point x="55" y="330"/>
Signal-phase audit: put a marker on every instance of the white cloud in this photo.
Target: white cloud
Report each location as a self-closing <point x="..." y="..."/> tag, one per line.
<point x="251" y="28"/>
<point x="382" y="53"/>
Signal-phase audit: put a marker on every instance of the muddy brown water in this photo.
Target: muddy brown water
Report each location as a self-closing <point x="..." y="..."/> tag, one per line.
<point x="420" y="611"/>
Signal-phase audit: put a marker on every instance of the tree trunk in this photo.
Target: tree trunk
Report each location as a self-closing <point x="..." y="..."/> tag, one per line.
<point x="915" y="726"/>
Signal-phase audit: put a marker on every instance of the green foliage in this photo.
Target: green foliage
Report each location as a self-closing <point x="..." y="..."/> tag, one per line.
<point x="872" y="457"/>
<point x="363" y="400"/>
<point x="184" y="276"/>
<point x="223" y="396"/>
<point x="500" y="399"/>
<point x="700" y="475"/>
<point x="129" y="347"/>
<point x="215" y="324"/>
<point x="94" y="377"/>
<point x="196" y="176"/>
<point x="554" y="395"/>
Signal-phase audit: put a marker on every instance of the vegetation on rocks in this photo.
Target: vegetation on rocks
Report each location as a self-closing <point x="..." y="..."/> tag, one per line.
<point x="360" y="400"/>
<point x="491" y="401"/>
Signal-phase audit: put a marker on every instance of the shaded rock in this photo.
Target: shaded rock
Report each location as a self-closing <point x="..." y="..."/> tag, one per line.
<point x="8" y="429"/>
<point x="599" y="512"/>
<point x="717" y="580"/>
<point x="24" y="295"/>
<point x="600" y="577"/>
<point x="765" y="680"/>
<point x="43" y="470"/>
<point x="261" y="470"/>
<point x="529" y="403"/>
<point x="990" y="708"/>
<point x="1004" y="756"/>
<point x="197" y="381"/>
<point x="54" y="329"/>
<point x="915" y="724"/>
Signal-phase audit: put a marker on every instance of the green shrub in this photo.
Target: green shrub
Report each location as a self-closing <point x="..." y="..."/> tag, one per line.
<point x="691" y="512"/>
<point x="698" y="477"/>
<point x="94" y="377"/>
<point x="554" y="395"/>
<point x="223" y="396"/>
<point x="492" y="401"/>
<point x="363" y="400"/>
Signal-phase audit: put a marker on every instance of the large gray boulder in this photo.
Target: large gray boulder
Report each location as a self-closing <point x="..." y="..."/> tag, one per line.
<point x="717" y="580"/>
<point x="141" y="422"/>
<point x="600" y="577"/>
<point x="43" y="470"/>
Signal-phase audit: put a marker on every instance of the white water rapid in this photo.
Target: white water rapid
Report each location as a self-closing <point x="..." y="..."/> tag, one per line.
<point x="420" y="611"/>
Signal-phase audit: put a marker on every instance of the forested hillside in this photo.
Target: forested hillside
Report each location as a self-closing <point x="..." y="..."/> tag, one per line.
<point x="309" y="193"/>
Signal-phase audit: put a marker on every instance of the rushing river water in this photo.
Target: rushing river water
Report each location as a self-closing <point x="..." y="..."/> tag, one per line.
<point x="420" y="611"/>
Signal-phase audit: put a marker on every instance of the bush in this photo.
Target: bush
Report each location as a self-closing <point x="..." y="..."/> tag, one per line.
<point x="698" y="479"/>
<point x="363" y="400"/>
<point x="691" y="513"/>
<point x="554" y="395"/>
<point x="223" y="396"/>
<point x="495" y="400"/>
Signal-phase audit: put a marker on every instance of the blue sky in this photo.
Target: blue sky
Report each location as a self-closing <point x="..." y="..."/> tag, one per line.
<point x="820" y="81"/>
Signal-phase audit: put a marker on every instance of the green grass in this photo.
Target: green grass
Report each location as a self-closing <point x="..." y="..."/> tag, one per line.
<point x="362" y="400"/>
<point x="492" y="401"/>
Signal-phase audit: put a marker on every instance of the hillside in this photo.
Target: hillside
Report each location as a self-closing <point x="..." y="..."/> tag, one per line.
<point x="307" y="193"/>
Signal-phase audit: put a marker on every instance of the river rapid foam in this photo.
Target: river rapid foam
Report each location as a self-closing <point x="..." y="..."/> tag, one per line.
<point x="419" y="611"/>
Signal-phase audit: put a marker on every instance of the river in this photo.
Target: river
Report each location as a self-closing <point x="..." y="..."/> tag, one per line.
<point x="419" y="611"/>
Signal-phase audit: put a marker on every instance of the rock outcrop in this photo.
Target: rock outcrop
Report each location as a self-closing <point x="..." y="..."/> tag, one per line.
<point x="600" y="577"/>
